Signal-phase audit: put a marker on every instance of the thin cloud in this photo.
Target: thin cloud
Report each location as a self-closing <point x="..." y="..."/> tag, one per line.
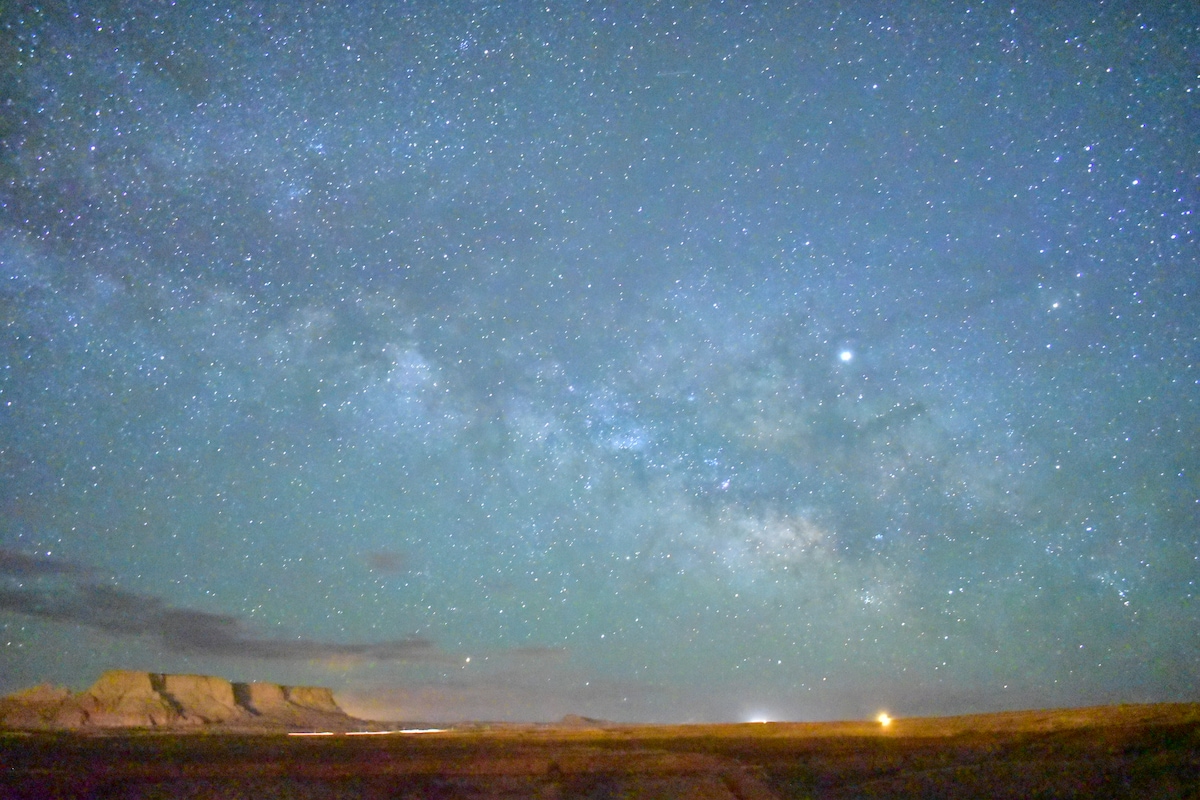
<point x="386" y="561"/>
<point x="181" y="630"/>
<point x="22" y="565"/>
<point x="188" y="631"/>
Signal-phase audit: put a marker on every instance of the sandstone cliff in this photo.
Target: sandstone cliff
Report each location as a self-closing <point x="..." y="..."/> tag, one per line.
<point x="130" y="699"/>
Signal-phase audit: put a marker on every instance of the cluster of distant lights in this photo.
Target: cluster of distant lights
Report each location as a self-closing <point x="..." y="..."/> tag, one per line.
<point x="366" y="733"/>
<point x="883" y="718"/>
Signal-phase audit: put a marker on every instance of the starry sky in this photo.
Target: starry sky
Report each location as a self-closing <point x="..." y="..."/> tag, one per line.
<point x="645" y="361"/>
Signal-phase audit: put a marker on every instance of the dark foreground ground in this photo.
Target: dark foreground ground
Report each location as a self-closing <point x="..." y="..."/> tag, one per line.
<point x="1126" y="751"/>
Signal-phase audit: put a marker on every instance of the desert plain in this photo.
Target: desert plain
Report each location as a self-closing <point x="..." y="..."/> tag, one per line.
<point x="1134" y="751"/>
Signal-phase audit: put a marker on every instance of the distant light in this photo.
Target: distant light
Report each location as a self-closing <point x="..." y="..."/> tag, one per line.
<point x="884" y="719"/>
<point x="846" y="356"/>
<point x="366" y="733"/>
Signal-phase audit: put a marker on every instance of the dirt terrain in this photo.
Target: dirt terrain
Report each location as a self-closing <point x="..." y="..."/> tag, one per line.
<point x="1125" y="751"/>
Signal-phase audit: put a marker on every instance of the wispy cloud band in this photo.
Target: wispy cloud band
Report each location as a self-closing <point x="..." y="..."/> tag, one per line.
<point x="74" y="599"/>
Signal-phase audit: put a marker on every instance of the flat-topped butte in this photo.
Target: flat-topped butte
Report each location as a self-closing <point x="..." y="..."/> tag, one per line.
<point x="134" y="699"/>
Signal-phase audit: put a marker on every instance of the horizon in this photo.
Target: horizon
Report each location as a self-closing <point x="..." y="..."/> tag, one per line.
<point x="1084" y="715"/>
<point x="636" y="362"/>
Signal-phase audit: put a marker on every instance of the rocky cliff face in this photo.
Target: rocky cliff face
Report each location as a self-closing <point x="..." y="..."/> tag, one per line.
<point x="129" y="699"/>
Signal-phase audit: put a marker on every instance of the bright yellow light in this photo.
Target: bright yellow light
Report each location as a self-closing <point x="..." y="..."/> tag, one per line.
<point x="884" y="719"/>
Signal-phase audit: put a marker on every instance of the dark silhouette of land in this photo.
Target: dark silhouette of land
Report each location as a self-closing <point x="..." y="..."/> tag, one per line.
<point x="1147" y="751"/>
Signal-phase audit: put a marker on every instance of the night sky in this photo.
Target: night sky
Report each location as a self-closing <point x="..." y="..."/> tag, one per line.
<point x="647" y="361"/>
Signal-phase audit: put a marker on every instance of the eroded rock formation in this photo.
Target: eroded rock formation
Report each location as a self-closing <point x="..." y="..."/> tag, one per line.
<point x="131" y="699"/>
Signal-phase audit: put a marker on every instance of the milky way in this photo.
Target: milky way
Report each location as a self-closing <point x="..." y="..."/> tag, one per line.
<point x="641" y="362"/>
